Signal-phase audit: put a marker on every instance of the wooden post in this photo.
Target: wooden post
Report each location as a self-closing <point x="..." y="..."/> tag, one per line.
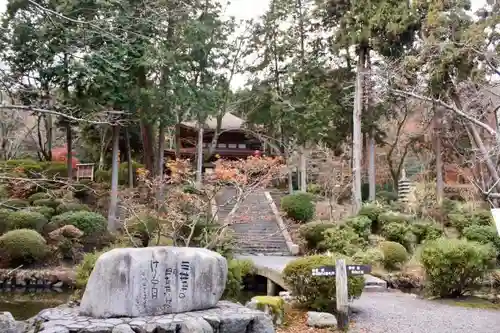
<point x="342" y="295"/>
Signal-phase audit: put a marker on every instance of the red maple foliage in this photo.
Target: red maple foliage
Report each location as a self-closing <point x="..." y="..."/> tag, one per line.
<point x="60" y="154"/>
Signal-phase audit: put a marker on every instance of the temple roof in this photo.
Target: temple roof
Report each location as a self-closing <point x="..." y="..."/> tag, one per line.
<point x="229" y="122"/>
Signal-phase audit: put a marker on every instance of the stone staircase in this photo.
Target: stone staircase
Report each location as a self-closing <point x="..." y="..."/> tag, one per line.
<point x="254" y="225"/>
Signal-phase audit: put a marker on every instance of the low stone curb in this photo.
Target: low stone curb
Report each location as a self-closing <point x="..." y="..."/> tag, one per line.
<point x="45" y="278"/>
<point x="292" y="247"/>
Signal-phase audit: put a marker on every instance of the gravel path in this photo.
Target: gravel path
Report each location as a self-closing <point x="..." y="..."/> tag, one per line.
<point x="394" y="312"/>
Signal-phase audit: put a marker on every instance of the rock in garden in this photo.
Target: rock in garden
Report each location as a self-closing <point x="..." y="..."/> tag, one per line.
<point x="9" y="325"/>
<point x="321" y="319"/>
<point x="151" y="281"/>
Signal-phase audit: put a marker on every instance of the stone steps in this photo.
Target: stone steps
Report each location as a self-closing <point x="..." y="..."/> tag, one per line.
<point x="254" y="225"/>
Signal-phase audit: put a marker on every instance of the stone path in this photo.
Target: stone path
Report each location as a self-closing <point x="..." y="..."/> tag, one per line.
<point x="396" y="312"/>
<point x="254" y="224"/>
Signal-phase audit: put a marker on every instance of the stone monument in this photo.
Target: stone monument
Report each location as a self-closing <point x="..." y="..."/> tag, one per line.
<point x="159" y="289"/>
<point x="152" y="281"/>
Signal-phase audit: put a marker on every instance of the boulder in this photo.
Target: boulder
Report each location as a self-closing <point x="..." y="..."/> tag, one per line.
<point x="274" y="306"/>
<point x="9" y="325"/>
<point x="321" y="319"/>
<point x="133" y="282"/>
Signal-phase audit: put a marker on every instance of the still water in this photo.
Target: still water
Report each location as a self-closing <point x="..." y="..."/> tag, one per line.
<point x="26" y="304"/>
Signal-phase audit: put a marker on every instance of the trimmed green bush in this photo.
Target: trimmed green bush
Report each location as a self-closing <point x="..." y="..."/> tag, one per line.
<point x="361" y="225"/>
<point x="425" y="230"/>
<point x="317" y="292"/>
<point x="372" y="211"/>
<point x="370" y="256"/>
<point x="46" y="211"/>
<point x="52" y="203"/>
<point x="23" y="246"/>
<point x="15" y="203"/>
<point x="298" y="206"/>
<point x="4" y="220"/>
<point x="393" y="253"/>
<point x="71" y="207"/>
<point x="399" y="233"/>
<point x="56" y="170"/>
<point x="455" y="266"/>
<point x="237" y="270"/>
<point x="23" y="219"/>
<point x="483" y="234"/>
<point x="38" y="196"/>
<point x="393" y="217"/>
<point x="462" y="219"/>
<point x="312" y="234"/>
<point x="387" y="196"/>
<point x="88" y="222"/>
<point x="30" y="168"/>
<point x="342" y="239"/>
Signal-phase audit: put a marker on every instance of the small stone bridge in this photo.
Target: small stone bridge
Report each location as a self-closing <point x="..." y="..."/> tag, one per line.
<point x="271" y="267"/>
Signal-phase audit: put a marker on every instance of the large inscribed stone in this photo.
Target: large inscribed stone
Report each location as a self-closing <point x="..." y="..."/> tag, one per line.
<point x="151" y="281"/>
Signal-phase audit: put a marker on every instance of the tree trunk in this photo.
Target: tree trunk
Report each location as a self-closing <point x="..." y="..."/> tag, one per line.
<point x="357" y="144"/>
<point x="439" y="157"/>
<point x="177" y="140"/>
<point x="303" y="168"/>
<point x="113" y="202"/>
<point x="370" y="140"/>
<point x="49" y="133"/>
<point x="69" y="155"/>
<point x="161" y="162"/>
<point x="130" y="167"/>
<point x="199" y="156"/>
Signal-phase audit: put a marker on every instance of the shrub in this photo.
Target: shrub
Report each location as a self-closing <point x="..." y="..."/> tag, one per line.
<point x="84" y="269"/>
<point x="4" y="220"/>
<point x="144" y="228"/>
<point x="455" y="266"/>
<point x="103" y="176"/>
<point x="463" y="219"/>
<point x="88" y="222"/>
<point x="393" y="217"/>
<point x="425" y="230"/>
<point x="48" y="212"/>
<point x="38" y="196"/>
<point x="56" y="170"/>
<point x="312" y="234"/>
<point x="23" y="246"/>
<point x="342" y="239"/>
<point x="393" y="253"/>
<point x="52" y="203"/>
<point x="237" y="270"/>
<point x="15" y="203"/>
<point x="399" y="233"/>
<point x="317" y="292"/>
<point x="361" y="225"/>
<point x="483" y="234"/>
<point x="387" y="196"/>
<point x="298" y="206"/>
<point x="23" y="219"/>
<point x="72" y="207"/>
<point x="371" y="256"/>
<point x="372" y="211"/>
<point x="314" y="188"/>
<point x="30" y="168"/>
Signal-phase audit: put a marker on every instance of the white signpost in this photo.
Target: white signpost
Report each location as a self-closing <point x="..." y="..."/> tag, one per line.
<point x="496" y="217"/>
